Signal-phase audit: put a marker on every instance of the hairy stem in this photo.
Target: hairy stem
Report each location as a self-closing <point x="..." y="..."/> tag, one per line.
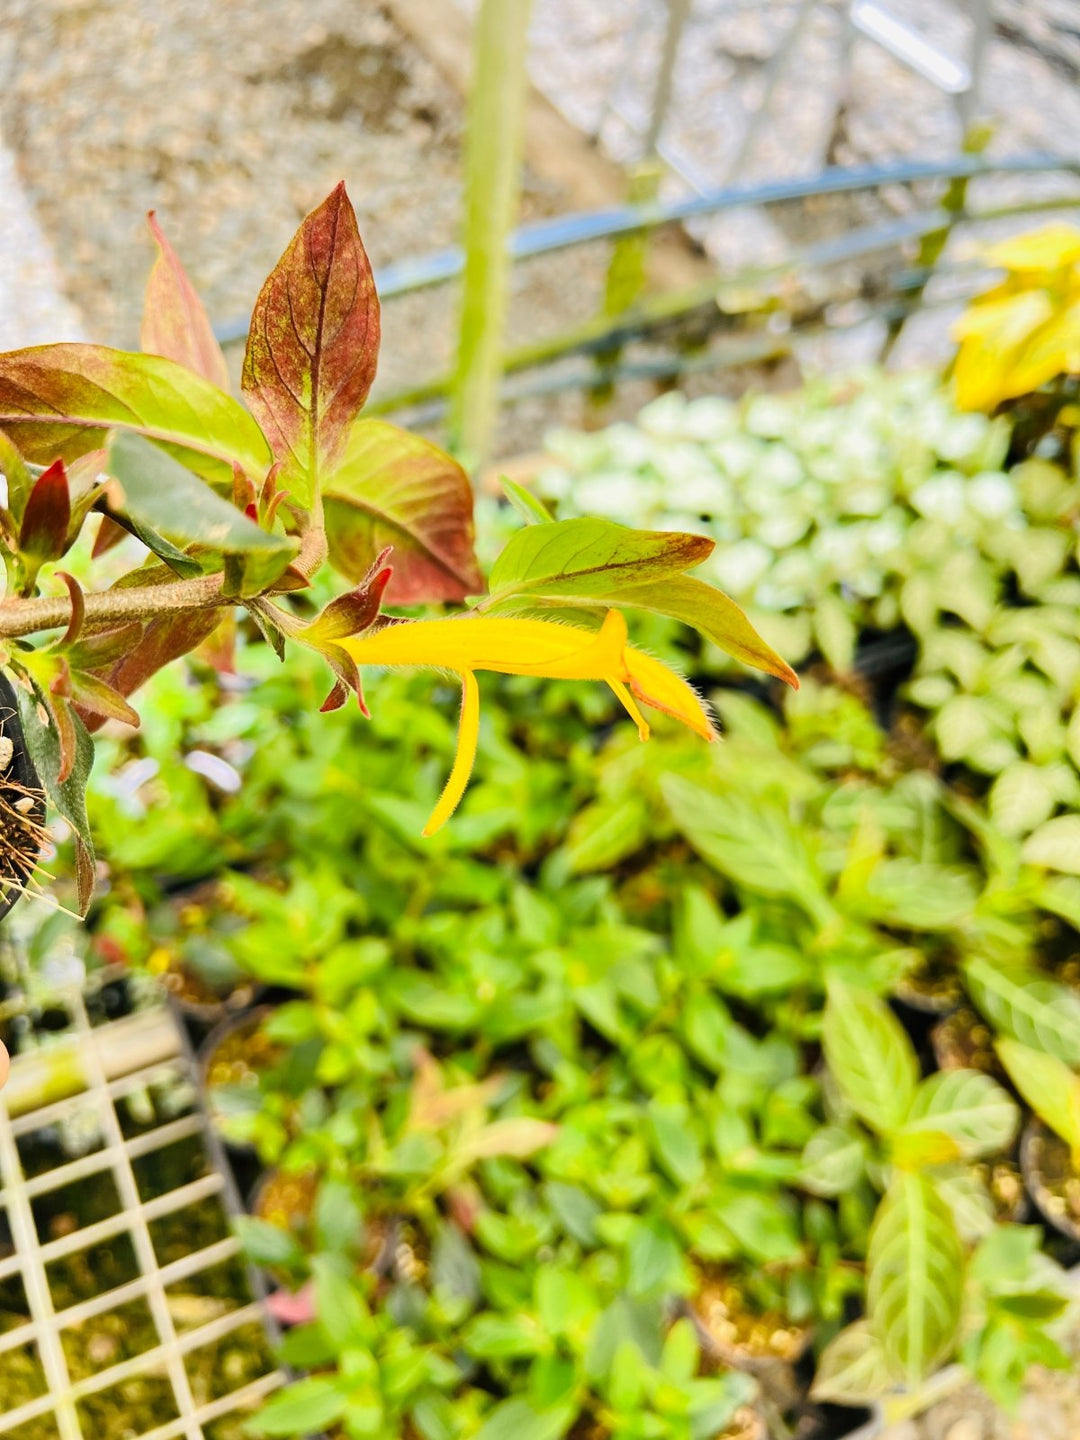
<point x="144" y="602"/>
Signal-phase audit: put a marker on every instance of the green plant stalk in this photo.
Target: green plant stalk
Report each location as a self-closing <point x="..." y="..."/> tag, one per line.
<point x="139" y="602"/>
<point x="494" y="146"/>
<point x="626" y="271"/>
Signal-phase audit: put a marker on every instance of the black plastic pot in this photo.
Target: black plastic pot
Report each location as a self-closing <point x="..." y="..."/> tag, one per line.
<point x="215" y="1071"/>
<point x="21" y="822"/>
<point x="1051" y="1177"/>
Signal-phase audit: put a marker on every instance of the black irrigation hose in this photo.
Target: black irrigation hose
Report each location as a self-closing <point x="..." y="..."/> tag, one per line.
<point x="562" y="232"/>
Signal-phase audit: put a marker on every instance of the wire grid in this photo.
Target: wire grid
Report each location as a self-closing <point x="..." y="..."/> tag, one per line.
<point x="18" y="1191"/>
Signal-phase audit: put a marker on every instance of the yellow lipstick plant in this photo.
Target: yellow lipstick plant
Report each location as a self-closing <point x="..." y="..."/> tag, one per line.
<point x="528" y="647"/>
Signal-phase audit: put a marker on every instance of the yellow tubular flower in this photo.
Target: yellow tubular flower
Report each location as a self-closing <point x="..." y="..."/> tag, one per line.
<point x="527" y="647"/>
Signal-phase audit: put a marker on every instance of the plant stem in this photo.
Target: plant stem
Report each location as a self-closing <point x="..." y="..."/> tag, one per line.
<point x="494" y="146"/>
<point x="143" y="602"/>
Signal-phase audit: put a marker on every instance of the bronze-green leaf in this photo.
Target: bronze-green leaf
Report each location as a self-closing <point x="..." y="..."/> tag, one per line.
<point x="313" y="345"/>
<point x="57" y="400"/>
<point x="175" y="323"/>
<point x="566" y="561"/>
<point x="393" y="488"/>
<point x="715" y="615"/>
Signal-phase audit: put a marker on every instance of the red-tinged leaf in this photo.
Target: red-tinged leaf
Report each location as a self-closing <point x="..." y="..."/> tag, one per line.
<point x="85" y="874"/>
<point x="93" y="696"/>
<point x="313" y="345"/>
<point x="345" y="668"/>
<point x="353" y="612"/>
<point x="175" y="323"/>
<point x="57" y="400"/>
<point x="78" y="608"/>
<point x="336" y="699"/>
<point x="96" y="652"/>
<point x="243" y="492"/>
<point x="393" y="488"/>
<point x="67" y="736"/>
<point x="218" y="650"/>
<point x="44" y="530"/>
<point x="109" y="534"/>
<point x="163" y="640"/>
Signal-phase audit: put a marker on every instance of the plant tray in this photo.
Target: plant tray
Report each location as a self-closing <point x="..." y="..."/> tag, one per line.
<point x="126" y="1309"/>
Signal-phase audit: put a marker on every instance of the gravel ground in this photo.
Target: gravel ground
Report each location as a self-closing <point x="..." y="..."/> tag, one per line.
<point x="232" y="120"/>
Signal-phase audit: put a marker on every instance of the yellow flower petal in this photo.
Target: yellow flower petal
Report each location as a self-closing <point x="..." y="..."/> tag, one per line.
<point x="527" y="647"/>
<point x="468" y="734"/>
<point x="656" y="685"/>
<point x="509" y="647"/>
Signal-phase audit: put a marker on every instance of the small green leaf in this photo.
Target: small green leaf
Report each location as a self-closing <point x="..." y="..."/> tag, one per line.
<point x="1048" y="1085"/>
<point x="565" y="1302"/>
<point x="1031" y="1008"/>
<point x="755" y="845"/>
<point x="714" y="614"/>
<point x="43" y="746"/>
<point x="832" y="1161"/>
<point x="968" y="1107"/>
<point x="852" y="1369"/>
<point x="338" y="1305"/>
<point x="1055" y="845"/>
<point x="18" y="477"/>
<point x="869" y="1055"/>
<point x="565" y="561"/>
<point x="528" y="505"/>
<point x="301" y="1409"/>
<point x="266" y="1244"/>
<point x="518" y="1419"/>
<point x="915" y="1275"/>
<point x="675" y="1141"/>
<point x="163" y="494"/>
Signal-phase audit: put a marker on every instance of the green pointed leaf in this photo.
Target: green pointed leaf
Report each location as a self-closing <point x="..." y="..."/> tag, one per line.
<point x="566" y="561"/>
<point x="1055" y="845"/>
<point x="301" y="1409"/>
<point x="162" y="493"/>
<point x="966" y="1106"/>
<point x="518" y="1419"/>
<point x="832" y="1161"/>
<point x="392" y="488"/>
<point x="915" y="1273"/>
<point x="100" y="699"/>
<point x="529" y="506"/>
<point x="175" y="323"/>
<point x="852" y="1369"/>
<point x="675" y="1142"/>
<point x="715" y="615"/>
<point x="1048" y="1085"/>
<point x="313" y="345"/>
<point x="56" y="401"/>
<point x="1031" y="1008"/>
<point x="753" y="844"/>
<point x="869" y="1055"/>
